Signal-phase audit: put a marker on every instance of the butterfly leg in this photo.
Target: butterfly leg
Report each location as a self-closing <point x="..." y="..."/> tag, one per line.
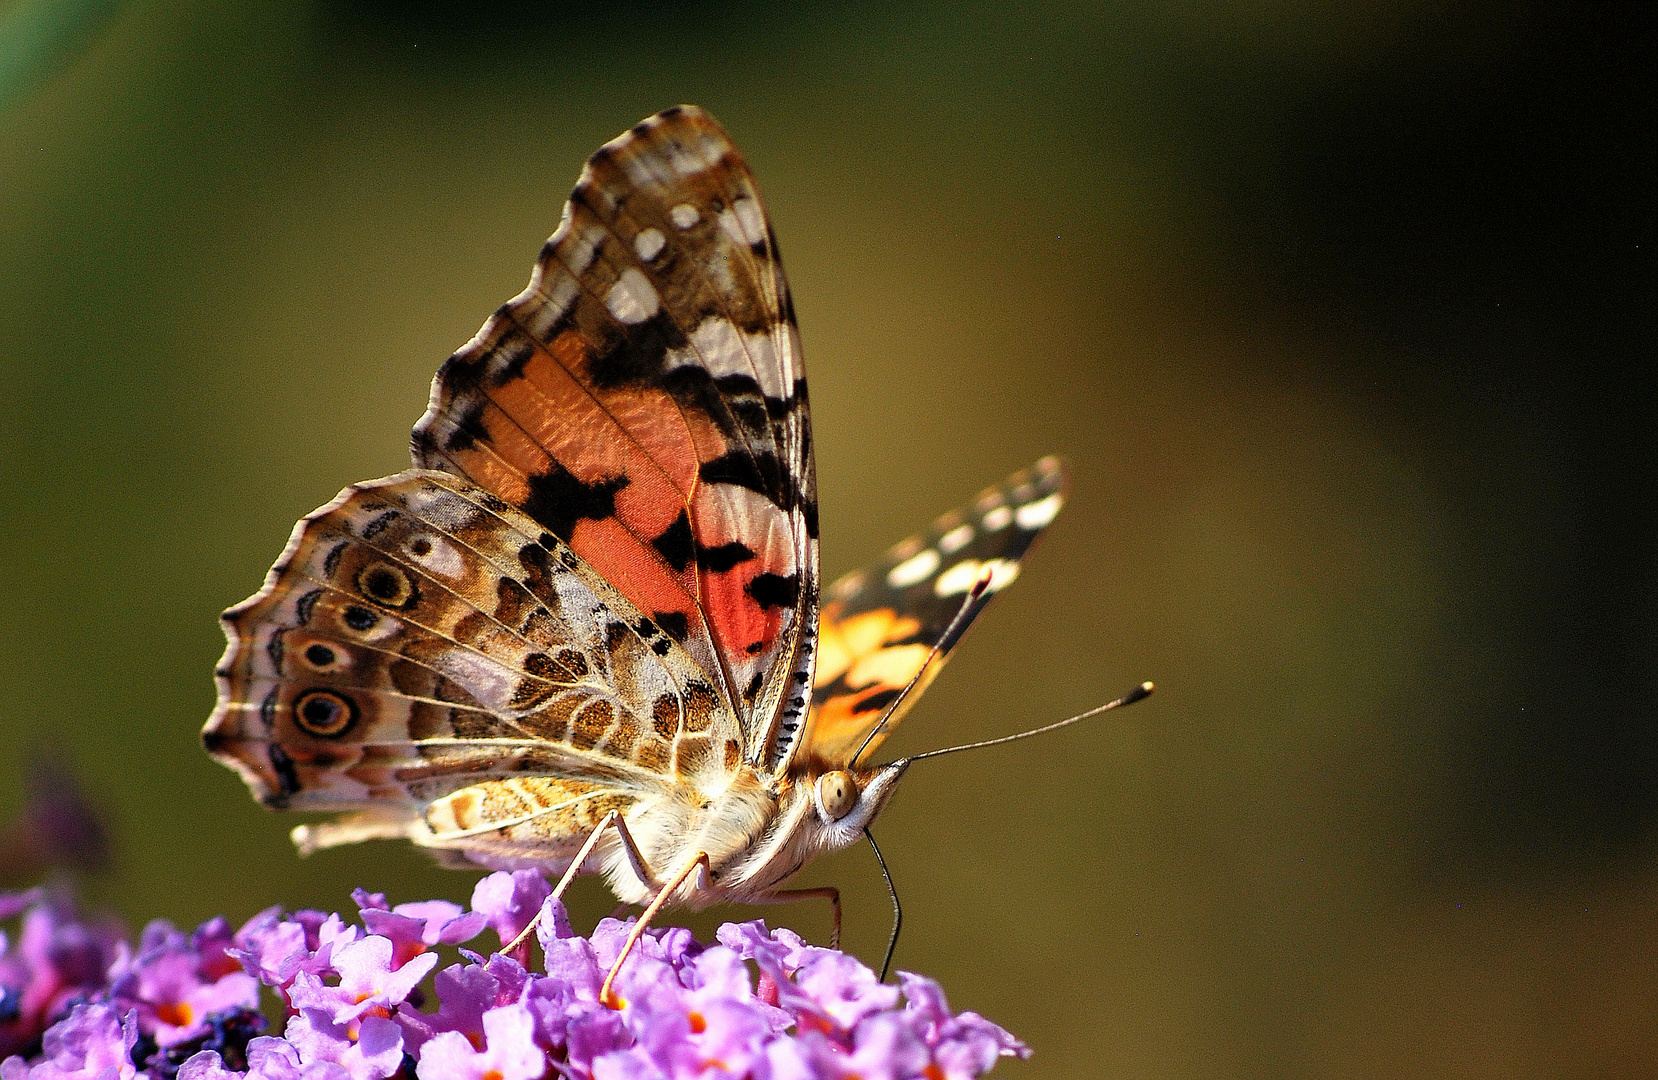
<point x="826" y="892"/>
<point x="698" y="861"/>
<point x="634" y="858"/>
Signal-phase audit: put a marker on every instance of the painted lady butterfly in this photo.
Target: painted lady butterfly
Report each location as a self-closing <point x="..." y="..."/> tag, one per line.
<point x="583" y="633"/>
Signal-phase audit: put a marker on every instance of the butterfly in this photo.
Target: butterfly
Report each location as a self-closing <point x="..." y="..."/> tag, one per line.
<point x="584" y="632"/>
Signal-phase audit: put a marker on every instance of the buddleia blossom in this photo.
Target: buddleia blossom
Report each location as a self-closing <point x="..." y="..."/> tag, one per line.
<point x="347" y="1000"/>
<point x="54" y="960"/>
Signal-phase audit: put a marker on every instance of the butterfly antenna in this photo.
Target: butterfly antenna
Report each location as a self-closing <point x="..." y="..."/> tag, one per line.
<point x="1137" y="694"/>
<point x="963" y="616"/>
<point x="897" y="910"/>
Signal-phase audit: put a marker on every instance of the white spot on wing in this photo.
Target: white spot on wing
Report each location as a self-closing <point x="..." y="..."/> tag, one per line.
<point x="579" y="255"/>
<point x="958" y="579"/>
<point x="722" y="349"/>
<point x="543" y="310"/>
<point x="500" y="361"/>
<point x="964" y="575"/>
<point x="743" y="222"/>
<point x="914" y="569"/>
<point x="441" y="558"/>
<point x="1037" y="514"/>
<point x="632" y="299"/>
<point x="442" y="507"/>
<point x="261" y="654"/>
<point x="684" y="215"/>
<point x="752" y="221"/>
<point x="685" y="163"/>
<point x="492" y="684"/>
<point x="1001" y="571"/>
<point x="956" y="539"/>
<point x="998" y="519"/>
<point x="649" y="244"/>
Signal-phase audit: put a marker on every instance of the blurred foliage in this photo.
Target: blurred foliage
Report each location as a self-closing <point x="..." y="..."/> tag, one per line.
<point x="37" y="37"/>
<point x="1343" y="314"/>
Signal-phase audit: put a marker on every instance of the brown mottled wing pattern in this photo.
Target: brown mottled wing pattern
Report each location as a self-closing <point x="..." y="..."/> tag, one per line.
<point x="879" y="624"/>
<point x="430" y="654"/>
<point x="643" y="401"/>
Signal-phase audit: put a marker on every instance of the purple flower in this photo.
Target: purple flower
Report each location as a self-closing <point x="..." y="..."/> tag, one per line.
<point x="275" y="949"/>
<point x="369" y="979"/>
<point x="781" y="950"/>
<point x="414" y="928"/>
<point x="274" y="1059"/>
<point x="508" y="1050"/>
<point x="464" y="993"/>
<point x="509" y="901"/>
<point x="840" y="987"/>
<point x="709" y="1033"/>
<point x="57" y="958"/>
<point x="167" y="984"/>
<point x="184" y="1007"/>
<point x="93" y="1043"/>
<point x="213" y="942"/>
<point x="370" y="1049"/>
<point x="13" y="904"/>
<point x="206" y="1065"/>
<point x="964" y="1044"/>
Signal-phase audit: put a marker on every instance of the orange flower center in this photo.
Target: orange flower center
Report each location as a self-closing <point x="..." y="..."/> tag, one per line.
<point x="175" y="1014"/>
<point x="698" y="1024"/>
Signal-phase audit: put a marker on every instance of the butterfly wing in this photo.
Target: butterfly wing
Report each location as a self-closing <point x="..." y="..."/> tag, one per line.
<point x="643" y="400"/>
<point x="431" y="655"/>
<point x="879" y="625"/>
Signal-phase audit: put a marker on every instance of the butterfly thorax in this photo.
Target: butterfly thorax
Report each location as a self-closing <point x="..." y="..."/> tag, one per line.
<point x="756" y="835"/>
<point x="672" y="828"/>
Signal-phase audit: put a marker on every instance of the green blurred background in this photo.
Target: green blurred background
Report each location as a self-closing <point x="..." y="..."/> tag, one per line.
<point x="1341" y="313"/>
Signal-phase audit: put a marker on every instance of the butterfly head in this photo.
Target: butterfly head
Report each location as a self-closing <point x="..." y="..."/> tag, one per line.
<point x="844" y="801"/>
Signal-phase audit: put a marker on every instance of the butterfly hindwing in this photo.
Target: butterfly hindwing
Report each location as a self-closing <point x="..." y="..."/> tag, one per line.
<point x="643" y="400"/>
<point x="879" y="625"/>
<point x="424" y="650"/>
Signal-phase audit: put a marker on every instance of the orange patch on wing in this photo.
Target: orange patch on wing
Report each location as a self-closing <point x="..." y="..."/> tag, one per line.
<point x="654" y="420"/>
<point x="842" y="642"/>
<point x="559" y="414"/>
<point x="578" y="432"/>
<point x="504" y="471"/>
<point x="834" y="725"/>
<point x="891" y="667"/>
<point x="631" y="566"/>
<point x="736" y="620"/>
<point x="839" y="724"/>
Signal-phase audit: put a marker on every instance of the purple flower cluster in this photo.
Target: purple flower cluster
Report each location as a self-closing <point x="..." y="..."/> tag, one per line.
<point x="77" y="1002"/>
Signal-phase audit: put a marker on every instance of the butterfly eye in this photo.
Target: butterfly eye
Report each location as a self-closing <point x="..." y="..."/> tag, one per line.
<point x="837" y="792"/>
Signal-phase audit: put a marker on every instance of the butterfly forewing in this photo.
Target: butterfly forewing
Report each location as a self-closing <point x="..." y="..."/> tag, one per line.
<point x="880" y="625"/>
<point x="643" y="400"/>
